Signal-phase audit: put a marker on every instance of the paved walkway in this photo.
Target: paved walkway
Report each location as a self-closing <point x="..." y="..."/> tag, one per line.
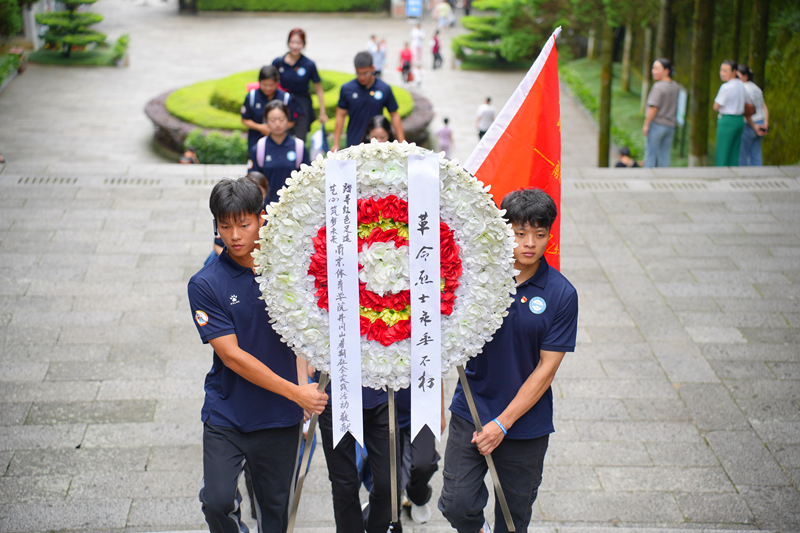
<point x="58" y="114"/>
<point x="679" y="409"/>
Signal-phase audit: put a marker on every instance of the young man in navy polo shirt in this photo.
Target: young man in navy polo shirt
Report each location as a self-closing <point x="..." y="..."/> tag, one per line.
<point x="253" y="108"/>
<point x="510" y="380"/>
<point x="253" y="409"/>
<point x="362" y="99"/>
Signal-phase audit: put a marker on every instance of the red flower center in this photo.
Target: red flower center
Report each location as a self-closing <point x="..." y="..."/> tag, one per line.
<point x="386" y="318"/>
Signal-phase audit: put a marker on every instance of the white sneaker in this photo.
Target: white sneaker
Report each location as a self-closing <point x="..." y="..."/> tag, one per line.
<point x="486" y="528"/>
<point x="420" y="513"/>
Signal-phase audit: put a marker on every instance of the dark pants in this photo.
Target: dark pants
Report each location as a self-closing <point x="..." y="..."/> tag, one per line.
<point x="481" y="133"/>
<point x="420" y="462"/>
<point x="343" y="472"/>
<point x="271" y="456"/>
<point x="302" y="123"/>
<point x="464" y="495"/>
<point x="437" y="60"/>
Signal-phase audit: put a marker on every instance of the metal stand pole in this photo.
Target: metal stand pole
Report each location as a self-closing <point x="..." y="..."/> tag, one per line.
<point x="498" y="490"/>
<point x="393" y="453"/>
<point x="312" y="428"/>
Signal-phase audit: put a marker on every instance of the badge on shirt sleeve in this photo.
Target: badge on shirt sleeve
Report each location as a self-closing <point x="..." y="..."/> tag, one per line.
<point x="201" y="317"/>
<point x="249" y="164"/>
<point x="243" y="110"/>
<point x="537" y="305"/>
<point x="378" y="95"/>
<point x="524" y="299"/>
<point x="291" y="156"/>
<point x="301" y="71"/>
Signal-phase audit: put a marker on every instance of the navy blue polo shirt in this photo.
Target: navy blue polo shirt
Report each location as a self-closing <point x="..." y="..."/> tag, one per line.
<point x="362" y="104"/>
<point x="224" y="298"/>
<point x="279" y="162"/>
<point x="543" y="316"/>
<point x="295" y="78"/>
<point x="255" y="111"/>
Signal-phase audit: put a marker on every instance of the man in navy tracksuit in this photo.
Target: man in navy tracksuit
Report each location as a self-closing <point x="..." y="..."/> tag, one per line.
<point x="510" y="381"/>
<point x="362" y="99"/>
<point x="253" y="408"/>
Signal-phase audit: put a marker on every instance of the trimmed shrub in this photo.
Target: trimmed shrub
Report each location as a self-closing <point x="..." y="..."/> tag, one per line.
<point x="215" y="104"/>
<point x="215" y="148"/>
<point x="8" y="65"/>
<point x="68" y="29"/>
<point x="121" y="46"/>
<point x="296" y="6"/>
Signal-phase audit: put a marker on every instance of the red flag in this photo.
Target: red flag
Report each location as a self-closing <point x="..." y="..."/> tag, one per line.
<point x="522" y="148"/>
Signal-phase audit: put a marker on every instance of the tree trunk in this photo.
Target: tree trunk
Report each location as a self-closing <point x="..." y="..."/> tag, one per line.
<point x="626" y="58"/>
<point x="665" y="36"/>
<point x="606" y="61"/>
<point x="591" y="50"/>
<point x="701" y="70"/>
<point x="647" y="63"/>
<point x="737" y="29"/>
<point x="759" y="27"/>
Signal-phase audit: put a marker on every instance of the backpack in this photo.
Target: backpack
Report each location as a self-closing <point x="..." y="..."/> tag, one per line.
<point x="261" y="148"/>
<point x="286" y="98"/>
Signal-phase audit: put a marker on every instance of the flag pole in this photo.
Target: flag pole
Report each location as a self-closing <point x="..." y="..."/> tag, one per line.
<point x="498" y="490"/>
<point x="393" y="453"/>
<point x="312" y="428"/>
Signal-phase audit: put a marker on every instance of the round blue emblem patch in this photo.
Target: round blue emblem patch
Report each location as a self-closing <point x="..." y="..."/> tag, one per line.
<point x="301" y="71"/>
<point x="378" y="95"/>
<point x="537" y="305"/>
<point x="291" y="156"/>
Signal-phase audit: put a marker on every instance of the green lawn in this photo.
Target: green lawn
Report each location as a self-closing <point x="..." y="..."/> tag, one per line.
<point x="99" y="57"/>
<point x="583" y="78"/>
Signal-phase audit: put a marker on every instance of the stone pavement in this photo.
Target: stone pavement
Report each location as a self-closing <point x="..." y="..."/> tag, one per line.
<point x="59" y="114"/>
<point x="679" y="410"/>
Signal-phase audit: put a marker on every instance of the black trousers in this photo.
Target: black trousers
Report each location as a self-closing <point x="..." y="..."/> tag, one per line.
<point x="303" y="122"/>
<point x="343" y="473"/>
<point x="271" y="456"/>
<point x="519" y="466"/>
<point x="420" y="462"/>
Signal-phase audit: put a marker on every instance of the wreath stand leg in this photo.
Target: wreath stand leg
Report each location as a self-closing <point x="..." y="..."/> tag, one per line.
<point x="312" y="428"/>
<point x="498" y="490"/>
<point x="393" y="454"/>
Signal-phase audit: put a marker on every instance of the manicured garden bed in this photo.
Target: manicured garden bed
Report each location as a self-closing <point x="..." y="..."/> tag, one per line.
<point x="213" y="106"/>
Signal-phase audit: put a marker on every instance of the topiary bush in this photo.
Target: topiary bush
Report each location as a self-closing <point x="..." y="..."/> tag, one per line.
<point x="121" y="46"/>
<point x="69" y="29"/>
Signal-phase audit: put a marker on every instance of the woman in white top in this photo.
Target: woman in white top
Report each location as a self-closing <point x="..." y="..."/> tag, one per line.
<point x="757" y="124"/>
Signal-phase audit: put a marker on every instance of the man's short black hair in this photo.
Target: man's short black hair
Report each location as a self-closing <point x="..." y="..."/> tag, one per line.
<point x="731" y="63"/>
<point x="231" y="199"/>
<point x="363" y="60"/>
<point x="530" y="207"/>
<point x="268" y="72"/>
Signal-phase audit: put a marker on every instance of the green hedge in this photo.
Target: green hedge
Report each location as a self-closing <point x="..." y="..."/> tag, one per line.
<point x="215" y="104"/>
<point x="217" y="149"/>
<point x="8" y="65"/>
<point x="121" y="46"/>
<point x="99" y="57"/>
<point x="295" y="6"/>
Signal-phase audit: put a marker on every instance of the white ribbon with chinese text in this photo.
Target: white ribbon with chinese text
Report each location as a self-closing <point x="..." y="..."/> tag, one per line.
<point x="425" y="271"/>
<point x="343" y="306"/>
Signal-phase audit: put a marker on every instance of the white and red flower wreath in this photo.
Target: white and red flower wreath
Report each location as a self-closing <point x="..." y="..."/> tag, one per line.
<point x="477" y="265"/>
